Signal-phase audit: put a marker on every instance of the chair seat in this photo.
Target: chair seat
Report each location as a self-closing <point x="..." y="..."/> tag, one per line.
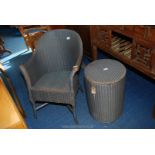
<point x="53" y="87"/>
<point x="55" y="81"/>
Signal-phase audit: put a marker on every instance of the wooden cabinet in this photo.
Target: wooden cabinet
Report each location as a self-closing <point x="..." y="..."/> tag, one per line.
<point x="133" y="45"/>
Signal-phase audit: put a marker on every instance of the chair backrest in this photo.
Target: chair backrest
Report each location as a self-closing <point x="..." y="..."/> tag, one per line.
<point x="59" y="49"/>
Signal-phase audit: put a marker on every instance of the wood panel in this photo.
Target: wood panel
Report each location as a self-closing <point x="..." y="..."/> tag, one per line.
<point x="10" y="117"/>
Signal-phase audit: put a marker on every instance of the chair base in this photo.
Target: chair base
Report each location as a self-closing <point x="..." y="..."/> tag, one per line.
<point x="41" y="106"/>
<point x="71" y="109"/>
<point x="37" y="108"/>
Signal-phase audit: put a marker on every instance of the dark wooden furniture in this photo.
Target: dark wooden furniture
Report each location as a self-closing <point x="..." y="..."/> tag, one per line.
<point x="84" y="32"/>
<point x="1" y="45"/>
<point x="2" y="48"/>
<point x="133" y="45"/>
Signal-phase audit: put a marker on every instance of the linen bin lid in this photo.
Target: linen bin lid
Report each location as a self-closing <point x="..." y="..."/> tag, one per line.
<point x="105" y="71"/>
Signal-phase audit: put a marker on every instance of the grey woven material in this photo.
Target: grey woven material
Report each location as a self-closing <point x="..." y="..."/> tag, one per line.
<point x="104" y="84"/>
<point x="51" y="87"/>
<point x="105" y="71"/>
<point x="51" y="72"/>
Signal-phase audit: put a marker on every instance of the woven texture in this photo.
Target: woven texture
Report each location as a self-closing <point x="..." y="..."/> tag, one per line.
<point x="51" y="87"/>
<point x="105" y="97"/>
<point x="49" y="73"/>
<point x="106" y="71"/>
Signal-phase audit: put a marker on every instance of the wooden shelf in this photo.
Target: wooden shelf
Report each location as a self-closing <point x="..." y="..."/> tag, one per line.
<point x="121" y="46"/>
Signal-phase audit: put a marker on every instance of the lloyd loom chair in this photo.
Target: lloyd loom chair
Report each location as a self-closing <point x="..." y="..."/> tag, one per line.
<point x="51" y="72"/>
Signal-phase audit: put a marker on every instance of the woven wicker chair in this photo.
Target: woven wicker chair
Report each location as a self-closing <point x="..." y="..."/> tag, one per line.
<point x="51" y="73"/>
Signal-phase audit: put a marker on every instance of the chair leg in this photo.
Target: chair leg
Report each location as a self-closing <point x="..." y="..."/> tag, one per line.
<point x="72" y="110"/>
<point x="34" y="110"/>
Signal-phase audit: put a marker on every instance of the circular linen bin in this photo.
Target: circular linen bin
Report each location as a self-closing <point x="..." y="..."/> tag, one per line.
<point x="104" y="85"/>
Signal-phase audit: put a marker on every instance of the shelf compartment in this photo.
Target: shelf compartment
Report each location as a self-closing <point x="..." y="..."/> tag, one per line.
<point x="121" y="44"/>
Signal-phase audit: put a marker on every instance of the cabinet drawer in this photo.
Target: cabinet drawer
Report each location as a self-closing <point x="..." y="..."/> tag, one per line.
<point x="142" y="55"/>
<point x="140" y="32"/>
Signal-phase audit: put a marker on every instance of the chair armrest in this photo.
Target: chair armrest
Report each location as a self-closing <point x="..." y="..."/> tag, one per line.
<point x="75" y="69"/>
<point x="32" y="70"/>
<point x="26" y="76"/>
<point x="27" y="79"/>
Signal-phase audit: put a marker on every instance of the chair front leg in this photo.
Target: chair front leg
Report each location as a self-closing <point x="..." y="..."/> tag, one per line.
<point x="72" y="110"/>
